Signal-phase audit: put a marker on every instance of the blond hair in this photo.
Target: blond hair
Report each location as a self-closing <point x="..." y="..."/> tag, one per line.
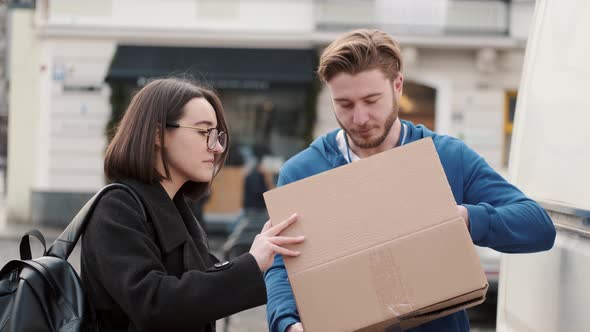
<point x="360" y="50"/>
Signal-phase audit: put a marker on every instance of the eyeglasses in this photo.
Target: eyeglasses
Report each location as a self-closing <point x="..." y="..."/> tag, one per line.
<point x="214" y="136"/>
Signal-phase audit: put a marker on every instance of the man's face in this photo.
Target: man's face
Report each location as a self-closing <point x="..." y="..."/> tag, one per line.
<point x="366" y="105"/>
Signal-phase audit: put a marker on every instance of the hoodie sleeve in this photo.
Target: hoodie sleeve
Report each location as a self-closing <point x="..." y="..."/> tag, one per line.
<point x="281" y="309"/>
<point x="501" y="216"/>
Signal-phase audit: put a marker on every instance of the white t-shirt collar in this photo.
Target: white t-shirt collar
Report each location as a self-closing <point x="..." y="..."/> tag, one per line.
<point x="346" y="151"/>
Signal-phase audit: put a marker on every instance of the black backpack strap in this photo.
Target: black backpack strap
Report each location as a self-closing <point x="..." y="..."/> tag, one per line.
<point x="25" y="245"/>
<point x="65" y="243"/>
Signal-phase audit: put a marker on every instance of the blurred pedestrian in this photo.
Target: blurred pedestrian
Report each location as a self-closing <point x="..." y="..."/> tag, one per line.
<point x="255" y="183"/>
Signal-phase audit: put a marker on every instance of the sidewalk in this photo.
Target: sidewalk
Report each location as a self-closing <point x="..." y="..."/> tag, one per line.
<point x="14" y="232"/>
<point x="11" y="234"/>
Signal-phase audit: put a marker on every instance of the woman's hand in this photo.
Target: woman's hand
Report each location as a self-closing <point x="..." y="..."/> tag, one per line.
<point x="268" y="243"/>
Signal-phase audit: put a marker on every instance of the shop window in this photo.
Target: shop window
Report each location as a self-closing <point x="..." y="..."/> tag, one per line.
<point x="509" y="111"/>
<point x="418" y="104"/>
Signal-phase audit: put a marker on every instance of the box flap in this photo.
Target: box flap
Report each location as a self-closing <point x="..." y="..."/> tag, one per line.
<point x="365" y="203"/>
<point x="396" y="279"/>
<point x="425" y="318"/>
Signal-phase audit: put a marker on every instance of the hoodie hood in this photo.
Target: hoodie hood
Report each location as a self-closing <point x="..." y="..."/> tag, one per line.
<point x="328" y="148"/>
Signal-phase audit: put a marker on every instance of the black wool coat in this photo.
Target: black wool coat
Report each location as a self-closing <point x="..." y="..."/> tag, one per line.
<point x="158" y="274"/>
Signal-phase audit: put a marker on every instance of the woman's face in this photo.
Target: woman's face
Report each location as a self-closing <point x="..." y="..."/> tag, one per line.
<point x="189" y="159"/>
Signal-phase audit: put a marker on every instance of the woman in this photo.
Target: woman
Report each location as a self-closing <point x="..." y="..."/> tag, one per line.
<point x="156" y="273"/>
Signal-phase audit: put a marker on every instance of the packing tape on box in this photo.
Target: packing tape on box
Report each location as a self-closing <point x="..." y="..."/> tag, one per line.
<point x="389" y="288"/>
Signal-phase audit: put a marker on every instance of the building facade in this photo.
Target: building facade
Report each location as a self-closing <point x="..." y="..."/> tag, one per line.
<point x="75" y="63"/>
<point x="3" y="96"/>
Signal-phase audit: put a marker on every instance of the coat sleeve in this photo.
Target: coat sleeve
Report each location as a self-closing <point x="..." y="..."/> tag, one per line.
<point x="281" y="308"/>
<point x="127" y="261"/>
<point x="500" y="215"/>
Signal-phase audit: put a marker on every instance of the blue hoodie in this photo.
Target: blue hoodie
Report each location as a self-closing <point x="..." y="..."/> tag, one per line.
<point x="501" y="216"/>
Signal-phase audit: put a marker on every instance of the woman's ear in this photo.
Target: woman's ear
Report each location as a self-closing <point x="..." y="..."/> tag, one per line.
<point x="158" y="139"/>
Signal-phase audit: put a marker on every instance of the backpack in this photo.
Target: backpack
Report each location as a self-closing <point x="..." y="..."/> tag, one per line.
<point x="45" y="293"/>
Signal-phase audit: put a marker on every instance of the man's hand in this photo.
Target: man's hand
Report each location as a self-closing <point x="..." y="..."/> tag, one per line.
<point x="464" y="214"/>
<point x="297" y="327"/>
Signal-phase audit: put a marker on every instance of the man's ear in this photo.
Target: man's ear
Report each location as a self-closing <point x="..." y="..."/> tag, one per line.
<point x="398" y="85"/>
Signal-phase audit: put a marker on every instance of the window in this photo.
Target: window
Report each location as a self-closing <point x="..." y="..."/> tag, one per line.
<point x="509" y="111"/>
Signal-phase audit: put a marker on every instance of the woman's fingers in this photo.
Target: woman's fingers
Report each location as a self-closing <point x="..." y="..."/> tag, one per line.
<point x="266" y="227"/>
<point x="277" y="229"/>
<point x="282" y="240"/>
<point x="284" y="251"/>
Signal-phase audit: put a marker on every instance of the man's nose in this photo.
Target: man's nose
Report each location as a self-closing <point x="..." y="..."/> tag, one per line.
<point x="360" y="116"/>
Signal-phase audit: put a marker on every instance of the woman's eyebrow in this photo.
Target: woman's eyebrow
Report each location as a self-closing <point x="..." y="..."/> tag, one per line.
<point x="204" y="122"/>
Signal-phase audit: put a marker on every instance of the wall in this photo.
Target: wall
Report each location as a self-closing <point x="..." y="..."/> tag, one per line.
<point x="213" y="15"/>
<point x="23" y="126"/>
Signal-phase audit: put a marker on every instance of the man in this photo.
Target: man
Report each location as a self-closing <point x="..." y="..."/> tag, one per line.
<point x="362" y="70"/>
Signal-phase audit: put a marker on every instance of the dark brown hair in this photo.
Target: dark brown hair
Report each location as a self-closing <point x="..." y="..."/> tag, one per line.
<point x="132" y="153"/>
<point x="360" y="50"/>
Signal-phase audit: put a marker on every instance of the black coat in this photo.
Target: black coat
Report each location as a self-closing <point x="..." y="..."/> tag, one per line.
<point x="158" y="274"/>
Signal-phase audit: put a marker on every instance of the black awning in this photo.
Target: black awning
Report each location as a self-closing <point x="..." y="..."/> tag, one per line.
<point x="215" y="65"/>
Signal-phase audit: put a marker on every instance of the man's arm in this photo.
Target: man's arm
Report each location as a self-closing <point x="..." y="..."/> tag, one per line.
<point x="501" y="216"/>
<point x="281" y="309"/>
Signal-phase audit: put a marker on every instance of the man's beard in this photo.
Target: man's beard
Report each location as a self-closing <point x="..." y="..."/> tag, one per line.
<point x="373" y="142"/>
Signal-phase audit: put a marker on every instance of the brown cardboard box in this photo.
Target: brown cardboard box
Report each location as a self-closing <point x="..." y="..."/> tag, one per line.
<point x="384" y="244"/>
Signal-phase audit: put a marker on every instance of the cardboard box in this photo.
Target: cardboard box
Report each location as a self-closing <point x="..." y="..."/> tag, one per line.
<point x="384" y="243"/>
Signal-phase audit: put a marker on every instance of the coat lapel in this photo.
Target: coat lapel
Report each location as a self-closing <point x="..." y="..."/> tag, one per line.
<point x="196" y="251"/>
<point x="176" y="228"/>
